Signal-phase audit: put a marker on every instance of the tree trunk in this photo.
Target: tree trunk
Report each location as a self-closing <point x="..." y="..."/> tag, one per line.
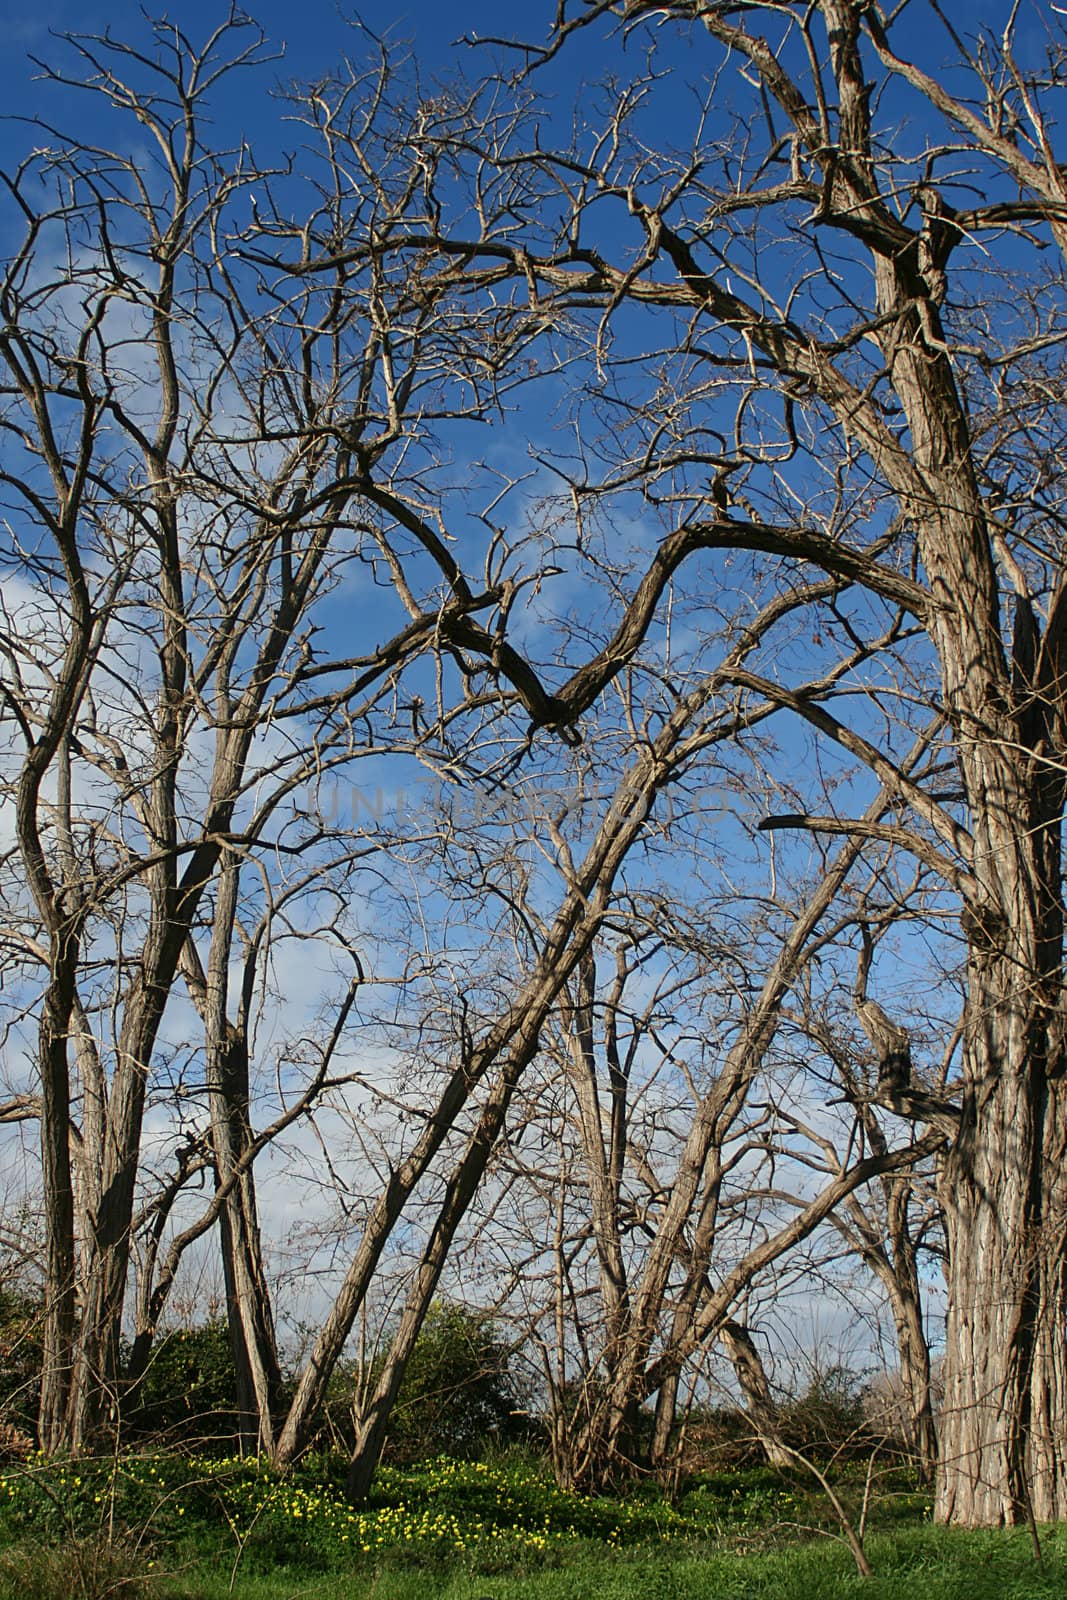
<point x="914" y="1353"/>
<point x="1004" y="1179"/>
<point x="1003" y="1445"/>
<point x="1003" y="1425"/>
<point x="663" y="1424"/>
<point x="248" y="1308"/>
<point x="460" y="1191"/>
<point x="96" y="1377"/>
<point x="1003" y="1176"/>
<point x="759" y="1402"/>
<point x="59" y="1321"/>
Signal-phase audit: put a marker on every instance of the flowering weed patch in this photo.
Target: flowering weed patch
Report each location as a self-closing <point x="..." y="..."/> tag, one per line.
<point x="464" y="1513"/>
<point x="170" y="1527"/>
<point x="442" y="1515"/>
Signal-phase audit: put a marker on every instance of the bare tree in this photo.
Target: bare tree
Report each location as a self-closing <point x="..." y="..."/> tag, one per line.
<point x="654" y="1137"/>
<point x="794" y="370"/>
<point x="215" y="417"/>
<point x="200" y="447"/>
<point x="493" y="1059"/>
<point x="846" y="383"/>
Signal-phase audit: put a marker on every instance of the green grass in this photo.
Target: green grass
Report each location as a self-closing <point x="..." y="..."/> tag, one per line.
<point x="926" y="1564"/>
<point x="187" y="1528"/>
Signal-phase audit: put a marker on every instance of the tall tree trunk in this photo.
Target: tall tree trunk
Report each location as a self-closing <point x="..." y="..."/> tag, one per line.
<point x="1003" y="1444"/>
<point x="59" y="1320"/>
<point x="598" y="1441"/>
<point x="248" y="1308"/>
<point x="1002" y="1456"/>
<point x="1004" y="1180"/>
<point x="759" y="1402"/>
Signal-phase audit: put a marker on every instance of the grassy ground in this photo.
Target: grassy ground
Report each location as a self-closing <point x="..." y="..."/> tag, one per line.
<point x="183" y="1528"/>
<point x="926" y="1564"/>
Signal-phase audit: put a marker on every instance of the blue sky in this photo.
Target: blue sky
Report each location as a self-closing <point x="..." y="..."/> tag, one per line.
<point x="314" y="32"/>
<point x="315" y="36"/>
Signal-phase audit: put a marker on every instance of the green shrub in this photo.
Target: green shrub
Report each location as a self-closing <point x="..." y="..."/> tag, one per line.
<point x="21" y="1355"/>
<point x="458" y="1393"/>
<point x="459" y="1396"/>
<point x="829" y="1418"/>
<point x="189" y="1391"/>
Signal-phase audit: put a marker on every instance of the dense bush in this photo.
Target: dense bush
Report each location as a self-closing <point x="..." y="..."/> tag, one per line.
<point x="458" y="1396"/>
<point x="189" y="1390"/>
<point x="458" y="1393"/>
<point x="20" y="1360"/>
<point x="829" y="1417"/>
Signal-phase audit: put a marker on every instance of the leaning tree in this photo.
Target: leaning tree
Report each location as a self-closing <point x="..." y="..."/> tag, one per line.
<point x="237" y="559"/>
